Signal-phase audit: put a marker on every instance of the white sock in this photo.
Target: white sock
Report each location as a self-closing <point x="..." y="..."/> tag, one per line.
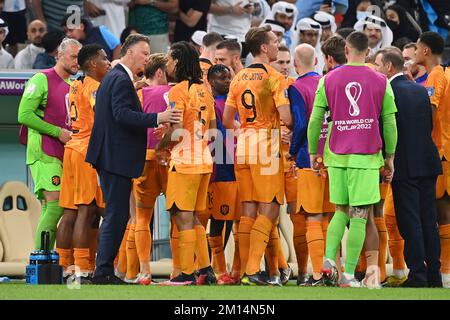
<point x="399" y="273"/>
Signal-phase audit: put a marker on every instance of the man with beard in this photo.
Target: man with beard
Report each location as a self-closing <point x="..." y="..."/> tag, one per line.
<point x="379" y="34"/>
<point x="25" y="58"/>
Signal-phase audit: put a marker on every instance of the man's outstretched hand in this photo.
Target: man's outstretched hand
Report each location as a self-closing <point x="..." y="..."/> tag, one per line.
<point x="170" y="116"/>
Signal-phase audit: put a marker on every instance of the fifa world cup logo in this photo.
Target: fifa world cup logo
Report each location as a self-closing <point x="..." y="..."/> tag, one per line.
<point x="353" y="92"/>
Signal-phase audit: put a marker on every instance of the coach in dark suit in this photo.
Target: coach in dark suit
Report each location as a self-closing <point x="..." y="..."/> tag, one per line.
<point x="416" y="166"/>
<point x="117" y="148"/>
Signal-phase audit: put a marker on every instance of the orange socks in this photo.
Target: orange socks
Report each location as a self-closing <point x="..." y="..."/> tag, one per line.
<point x="201" y="248"/>
<point x="259" y="237"/>
<point x="81" y="256"/>
<point x="316" y="244"/>
<point x="122" y="262"/>
<point x="142" y="233"/>
<point x="187" y="239"/>
<point x="132" y="257"/>
<point x="362" y="264"/>
<point x="396" y="243"/>
<point x="218" y="255"/>
<point x="175" y="245"/>
<point x="65" y="257"/>
<point x="282" y="263"/>
<point x="272" y="251"/>
<point x="444" y="234"/>
<point x="382" y="249"/>
<point x="245" y="227"/>
<point x="236" y="270"/>
<point x="300" y="244"/>
<point x="92" y="249"/>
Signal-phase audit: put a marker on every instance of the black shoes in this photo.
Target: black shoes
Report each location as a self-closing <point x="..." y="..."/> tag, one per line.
<point x="108" y="280"/>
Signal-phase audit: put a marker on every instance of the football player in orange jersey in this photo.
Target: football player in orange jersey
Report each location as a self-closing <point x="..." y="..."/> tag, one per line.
<point x="228" y="52"/>
<point x="190" y="165"/>
<point x="80" y="187"/>
<point x="259" y="93"/>
<point x="429" y="54"/>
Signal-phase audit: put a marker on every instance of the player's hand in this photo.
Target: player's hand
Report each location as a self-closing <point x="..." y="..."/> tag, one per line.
<point x="286" y="135"/>
<point x="170" y="116"/>
<point x="65" y="135"/>
<point x="388" y="172"/>
<point x="161" y="131"/>
<point x="316" y="163"/>
<point x="91" y="10"/>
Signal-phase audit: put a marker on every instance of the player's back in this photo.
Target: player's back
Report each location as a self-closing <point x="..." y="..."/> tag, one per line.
<point x="197" y="104"/>
<point x="82" y="96"/>
<point x="255" y="91"/>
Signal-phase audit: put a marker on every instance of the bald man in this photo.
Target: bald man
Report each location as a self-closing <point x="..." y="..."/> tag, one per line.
<point x="26" y="57"/>
<point x="312" y="194"/>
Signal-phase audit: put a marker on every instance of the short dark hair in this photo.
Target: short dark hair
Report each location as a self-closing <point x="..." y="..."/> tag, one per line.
<point x="256" y="37"/>
<point x="230" y="45"/>
<point x="126" y="32"/>
<point x="410" y="45"/>
<point x="52" y="39"/>
<point x="344" y="32"/>
<point x="87" y="53"/>
<point x="392" y="55"/>
<point x="155" y="62"/>
<point x="401" y="42"/>
<point x="132" y="40"/>
<point x="434" y="41"/>
<point x="217" y="68"/>
<point x="358" y="40"/>
<point x="334" y="47"/>
<point x="188" y="66"/>
<point x="211" y="38"/>
<point x="284" y="48"/>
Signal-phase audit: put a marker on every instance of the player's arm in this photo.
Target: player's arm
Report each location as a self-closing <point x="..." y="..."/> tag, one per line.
<point x="389" y="131"/>
<point x="300" y="125"/>
<point x="435" y="86"/>
<point x="280" y="97"/>
<point x="123" y="112"/>
<point x="36" y="91"/>
<point x="315" y="122"/>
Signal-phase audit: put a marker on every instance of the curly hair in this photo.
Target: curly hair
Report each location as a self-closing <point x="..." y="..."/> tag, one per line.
<point x="188" y="66"/>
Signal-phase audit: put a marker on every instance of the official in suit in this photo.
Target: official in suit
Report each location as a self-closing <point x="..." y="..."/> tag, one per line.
<point x="416" y="166"/>
<point x="117" y="148"/>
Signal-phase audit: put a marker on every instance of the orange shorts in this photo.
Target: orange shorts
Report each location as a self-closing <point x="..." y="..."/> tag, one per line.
<point x="313" y="195"/>
<point x="150" y="185"/>
<point x="223" y="200"/>
<point x="290" y="187"/>
<point x="256" y="185"/>
<point x="188" y="192"/>
<point x="383" y="190"/>
<point x="389" y="209"/>
<point x="79" y="183"/>
<point x="443" y="181"/>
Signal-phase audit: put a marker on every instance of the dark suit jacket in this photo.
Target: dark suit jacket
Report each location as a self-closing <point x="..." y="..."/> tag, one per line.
<point x="416" y="154"/>
<point x="119" y="137"/>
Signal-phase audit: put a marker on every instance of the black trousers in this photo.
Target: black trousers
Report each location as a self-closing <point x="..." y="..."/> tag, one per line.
<point x="415" y="210"/>
<point x="116" y="192"/>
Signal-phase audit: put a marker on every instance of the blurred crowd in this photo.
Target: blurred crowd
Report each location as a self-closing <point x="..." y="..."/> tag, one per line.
<point x="31" y="30"/>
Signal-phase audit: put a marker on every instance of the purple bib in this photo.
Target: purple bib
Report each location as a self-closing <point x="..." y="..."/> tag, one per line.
<point x="154" y="101"/>
<point x="307" y="87"/>
<point x="355" y="97"/>
<point x="55" y="113"/>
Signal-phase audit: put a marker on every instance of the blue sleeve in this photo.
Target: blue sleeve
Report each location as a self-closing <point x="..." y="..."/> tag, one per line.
<point x="298" y="110"/>
<point x="109" y="38"/>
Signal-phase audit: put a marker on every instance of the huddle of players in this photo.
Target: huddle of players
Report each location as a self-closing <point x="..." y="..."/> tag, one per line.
<point x="197" y="188"/>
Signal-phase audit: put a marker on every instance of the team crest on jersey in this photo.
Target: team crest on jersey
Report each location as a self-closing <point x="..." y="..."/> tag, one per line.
<point x="56" y="180"/>
<point x="430" y="91"/>
<point x="224" y="209"/>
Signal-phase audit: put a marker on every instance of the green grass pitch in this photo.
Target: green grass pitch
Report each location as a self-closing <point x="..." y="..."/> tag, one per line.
<point x="13" y="291"/>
